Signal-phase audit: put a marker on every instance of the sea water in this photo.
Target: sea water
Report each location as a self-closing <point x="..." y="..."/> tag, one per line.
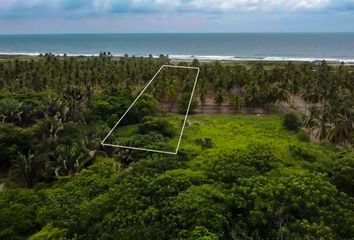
<point x="204" y="46"/>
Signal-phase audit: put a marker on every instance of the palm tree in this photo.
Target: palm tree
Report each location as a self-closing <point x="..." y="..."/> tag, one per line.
<point x="203" y="91"/>
<point x="89" y="146"/>
<point x="52" y="126"/>
<point x="195" y="63"/>
<point x="292" y="80"/>
<point x="321" y="129"/>
<point x="341" y="130"/>
<point x="10" y="111"/>
<point x="318" y="122"/>
<point x="309" y="95"/>
<point x="282" y="96"/>
<point x="69" y="160"/>
<point x="219" y="97"/>
<point x="310" y="119"/>
<point x="27" y="168"/>
<point x="171" y="91"/>
<point x="237" y="102"/>
<point x="55" y="107"/>
<point x="75" y="97"/>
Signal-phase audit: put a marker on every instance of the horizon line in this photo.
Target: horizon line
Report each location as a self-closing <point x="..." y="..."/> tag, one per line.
<point x="114" y="33"/>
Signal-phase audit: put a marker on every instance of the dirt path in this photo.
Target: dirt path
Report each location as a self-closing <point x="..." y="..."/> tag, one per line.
<point x="296" y="103"/>
<point x="210" y="107"/>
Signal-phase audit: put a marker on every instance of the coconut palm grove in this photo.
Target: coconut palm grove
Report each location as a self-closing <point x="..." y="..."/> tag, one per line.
<point x="267" y="151"/>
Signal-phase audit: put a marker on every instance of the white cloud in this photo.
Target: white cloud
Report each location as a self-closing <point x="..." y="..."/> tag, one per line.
<point x="106" y="6"/>
<point x="259" y="5"/>
<point x="156" y="4"/>
<point x="102" y="5"/>
<point x="310" y="4"/>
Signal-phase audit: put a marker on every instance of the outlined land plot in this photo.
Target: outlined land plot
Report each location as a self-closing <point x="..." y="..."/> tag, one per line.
<point x="156" y="119"/>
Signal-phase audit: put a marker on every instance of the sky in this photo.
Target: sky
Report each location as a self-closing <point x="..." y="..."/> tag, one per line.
<point x="146" y="16"/>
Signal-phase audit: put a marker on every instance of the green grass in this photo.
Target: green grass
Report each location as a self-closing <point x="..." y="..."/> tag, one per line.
<point x="237" y="131"/>
<point x="126" y="131"/>
<point x="229" y="132"/>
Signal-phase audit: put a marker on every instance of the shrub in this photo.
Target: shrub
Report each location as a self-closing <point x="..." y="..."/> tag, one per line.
<point x="342" y="171"/>
<point x="145" y="106"/>
<point x="303" y="136"/>
<point x="292" y="122"/>
<point x="159" y="126"/>
<point x="17" y="213"/>
<point x="30" y="111"/>
<point x="49" y="232"/>
<point x="227" y="165"/>
<point x="183" y="103"/>
<point x="10" y="111"/>
<point x="205" y="143"/>
<point x="302" y="153"/>
<point x="110" y="108"/>
<point x="103" y="107"/>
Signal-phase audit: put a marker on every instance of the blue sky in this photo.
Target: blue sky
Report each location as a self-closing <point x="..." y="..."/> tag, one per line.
<point x="82" y="16"/>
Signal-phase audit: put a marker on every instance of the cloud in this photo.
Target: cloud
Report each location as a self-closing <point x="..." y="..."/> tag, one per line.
<point x="256" y="5"/>
<point x="64" y="8"/>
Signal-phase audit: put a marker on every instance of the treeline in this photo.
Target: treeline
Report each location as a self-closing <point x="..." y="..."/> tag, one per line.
<point x="327" y="92"/>
<point x="50" y="72"/>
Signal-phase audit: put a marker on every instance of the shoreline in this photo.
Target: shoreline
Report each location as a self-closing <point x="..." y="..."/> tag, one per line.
<point x="201" y="58"/>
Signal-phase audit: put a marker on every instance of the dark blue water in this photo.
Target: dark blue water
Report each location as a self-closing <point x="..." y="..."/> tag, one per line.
<point x="233" y="46"/>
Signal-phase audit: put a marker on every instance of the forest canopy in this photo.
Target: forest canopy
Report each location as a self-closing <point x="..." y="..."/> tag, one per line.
<point x="286" y="172"/>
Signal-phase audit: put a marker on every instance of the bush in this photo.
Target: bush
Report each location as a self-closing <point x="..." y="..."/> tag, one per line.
<point x="205" y="143"/>
<point x="302" y="153"/>
<point x="110" y="108"/>
<point x="49" y="232"/>
<point x="303" y="136"/>
<point x="183" y="103"/>
<point x="17" y="213"/>
<point x="159" y="126"/>
<point x="342" y="171"/>
<point x="10" y="111"/>
<point x="292" y="122"/>
<point x="145" y="106"/>
<point x="103" y="107"/>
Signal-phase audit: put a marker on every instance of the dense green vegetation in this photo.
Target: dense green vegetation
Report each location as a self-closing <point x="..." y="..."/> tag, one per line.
<point x="235" y="177"/>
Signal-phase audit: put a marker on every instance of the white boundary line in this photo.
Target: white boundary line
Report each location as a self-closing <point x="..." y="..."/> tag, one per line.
<point x="184" y="122"/>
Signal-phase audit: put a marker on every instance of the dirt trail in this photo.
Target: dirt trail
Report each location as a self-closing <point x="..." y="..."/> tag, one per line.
<point x="211" y="108"/>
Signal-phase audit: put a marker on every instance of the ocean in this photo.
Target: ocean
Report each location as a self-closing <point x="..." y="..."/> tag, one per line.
<point x="203" y="46"/>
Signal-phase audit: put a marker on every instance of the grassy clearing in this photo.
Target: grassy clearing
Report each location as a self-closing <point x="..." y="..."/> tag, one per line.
<point x="238" y="131"/>
<point x="229" y="132"/>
